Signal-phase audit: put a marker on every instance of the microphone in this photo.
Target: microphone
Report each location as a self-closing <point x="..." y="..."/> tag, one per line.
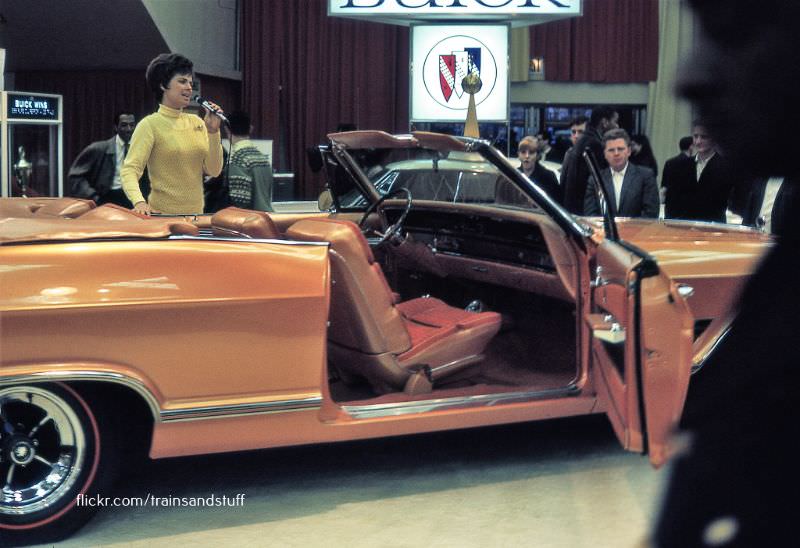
<point x="209" y="106"/>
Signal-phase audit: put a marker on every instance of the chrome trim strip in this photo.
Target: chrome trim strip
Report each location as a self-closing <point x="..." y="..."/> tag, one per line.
<point x="454" y="363"/>
<point x="169" y="415"/>
<point x="699" y="361"/>
<point x="245" y="240"/>
<point x="103" y="376"/>
<point x="219" y="411"/>
<point x="372" y="411"/>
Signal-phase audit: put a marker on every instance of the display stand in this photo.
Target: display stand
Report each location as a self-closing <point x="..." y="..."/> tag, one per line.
<point x="31" y="144"/>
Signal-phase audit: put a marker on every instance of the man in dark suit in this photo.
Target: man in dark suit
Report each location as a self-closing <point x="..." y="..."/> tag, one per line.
<point x="699" y="188"/>
<point x="768" y="204"/>
<point x="577" y="127"/>
<point x="668" y="173"/>
<point x="95" y="172"/>
<point x="576" y="172"/>
<point x="731" y="480"/>
<point x="632" y="189"/>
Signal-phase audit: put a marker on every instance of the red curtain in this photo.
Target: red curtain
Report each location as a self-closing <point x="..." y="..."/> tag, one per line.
<point x="305" y="73"/>
<point x="91" y="100"/>
<point x="613" y="42"/>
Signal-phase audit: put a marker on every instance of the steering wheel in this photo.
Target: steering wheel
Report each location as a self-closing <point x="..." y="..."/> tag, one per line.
<point x="389" y="232"/>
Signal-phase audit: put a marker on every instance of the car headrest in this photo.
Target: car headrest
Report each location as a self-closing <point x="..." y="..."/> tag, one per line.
<point x="248" y="223"/>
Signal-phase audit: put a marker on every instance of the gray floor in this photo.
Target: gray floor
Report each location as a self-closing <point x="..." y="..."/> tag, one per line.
<point x="563" y="483"/>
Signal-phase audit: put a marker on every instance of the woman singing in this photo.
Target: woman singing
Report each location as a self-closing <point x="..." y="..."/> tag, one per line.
<point x="176" y="148"/>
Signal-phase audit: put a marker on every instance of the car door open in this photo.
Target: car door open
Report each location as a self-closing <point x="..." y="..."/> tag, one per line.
<point x="641" y="374"/>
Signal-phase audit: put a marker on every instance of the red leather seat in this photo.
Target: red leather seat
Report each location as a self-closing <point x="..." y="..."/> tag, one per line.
<point x="247" y="223"/>
<point x="395" y="346"/>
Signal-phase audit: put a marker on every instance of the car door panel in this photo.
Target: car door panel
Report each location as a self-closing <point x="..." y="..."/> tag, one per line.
<point x="641" y="335"/>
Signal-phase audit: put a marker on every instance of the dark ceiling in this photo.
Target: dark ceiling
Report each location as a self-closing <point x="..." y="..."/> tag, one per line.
<point x="48" y="35"/>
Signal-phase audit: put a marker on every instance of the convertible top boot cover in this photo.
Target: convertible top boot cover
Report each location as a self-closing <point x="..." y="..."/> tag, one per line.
<point x="385" y="343"/>
<point x="45" y="207"/>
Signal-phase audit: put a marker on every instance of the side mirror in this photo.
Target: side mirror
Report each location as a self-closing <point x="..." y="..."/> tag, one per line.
<point x="325" y="200"/>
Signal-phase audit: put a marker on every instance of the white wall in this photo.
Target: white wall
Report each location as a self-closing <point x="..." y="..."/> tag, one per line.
<point x="205" y="31"/>
<point x="581" y="93"/>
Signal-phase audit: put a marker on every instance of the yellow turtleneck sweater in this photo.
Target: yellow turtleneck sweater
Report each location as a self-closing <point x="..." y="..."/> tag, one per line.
<point x="177" y="150"/>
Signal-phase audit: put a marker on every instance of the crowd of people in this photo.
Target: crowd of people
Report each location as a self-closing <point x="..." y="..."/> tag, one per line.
<point x="160" y="165"/>
<point x="696" y="184"/>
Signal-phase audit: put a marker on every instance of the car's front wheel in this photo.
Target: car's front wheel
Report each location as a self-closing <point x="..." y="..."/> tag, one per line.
<point x="53" y="460"/>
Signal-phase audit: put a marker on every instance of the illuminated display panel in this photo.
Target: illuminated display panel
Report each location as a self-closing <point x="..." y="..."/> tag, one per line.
<point x="441" y="55"/>
<point x="31" y="107"/>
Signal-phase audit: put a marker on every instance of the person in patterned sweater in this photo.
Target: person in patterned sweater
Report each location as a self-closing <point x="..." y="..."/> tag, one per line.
<point x="249" y="171"/>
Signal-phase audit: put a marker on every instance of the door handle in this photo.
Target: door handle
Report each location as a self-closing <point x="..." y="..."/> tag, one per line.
<point x="606" y="328"/>
<point x="685" y="290"/>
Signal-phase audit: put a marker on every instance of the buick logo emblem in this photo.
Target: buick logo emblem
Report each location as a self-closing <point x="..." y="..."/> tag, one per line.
<point x="449" y="61"/>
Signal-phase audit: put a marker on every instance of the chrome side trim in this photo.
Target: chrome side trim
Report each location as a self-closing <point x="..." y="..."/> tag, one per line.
<point x="455" y="363"/>
<point x="169" y="415"/>
<point x="373" y="411"/>
<point x="102" y="376"/>
<point x="219" y="411"/>
<point x="700" y="360"/>
<point x="205" y="238"/>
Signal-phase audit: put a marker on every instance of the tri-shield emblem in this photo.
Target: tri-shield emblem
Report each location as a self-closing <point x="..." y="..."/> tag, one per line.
<point x="453" y="67"/>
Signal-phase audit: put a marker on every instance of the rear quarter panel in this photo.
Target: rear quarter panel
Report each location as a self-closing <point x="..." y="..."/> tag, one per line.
<point x="198" y="322"/>
<point x="716" y="260"/>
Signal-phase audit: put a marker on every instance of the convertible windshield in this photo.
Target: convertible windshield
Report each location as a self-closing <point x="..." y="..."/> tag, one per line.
<point x="451" y="176"/>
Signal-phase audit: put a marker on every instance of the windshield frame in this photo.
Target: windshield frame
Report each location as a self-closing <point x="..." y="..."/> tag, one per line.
<point x="342" y="143"/>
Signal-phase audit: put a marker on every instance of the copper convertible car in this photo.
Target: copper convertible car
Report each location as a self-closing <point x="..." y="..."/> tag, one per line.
<point x="441" y="289"/>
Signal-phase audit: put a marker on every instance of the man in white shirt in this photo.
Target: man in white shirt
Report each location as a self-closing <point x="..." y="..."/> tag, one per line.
<point x="699" y="187"/>
<point x="632" y="189"/>
<point x="767" y="203"/>
<point x="95" y="172"/>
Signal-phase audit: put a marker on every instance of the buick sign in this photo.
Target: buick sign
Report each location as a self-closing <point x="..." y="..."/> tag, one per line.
<point x="519" y="13"/>
<point x="453" y="8"/>
<point x="449" y="61"/>
<point x="442" y="55"/>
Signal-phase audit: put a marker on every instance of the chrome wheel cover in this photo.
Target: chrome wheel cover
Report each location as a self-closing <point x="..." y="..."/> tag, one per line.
<point x="42" y="449"/>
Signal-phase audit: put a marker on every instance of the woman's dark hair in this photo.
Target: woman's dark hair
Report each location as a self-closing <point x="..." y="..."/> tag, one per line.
<point x="161" y="70"/>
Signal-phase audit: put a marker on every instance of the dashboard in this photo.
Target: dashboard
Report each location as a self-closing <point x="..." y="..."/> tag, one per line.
<point x="480" y="237"/>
